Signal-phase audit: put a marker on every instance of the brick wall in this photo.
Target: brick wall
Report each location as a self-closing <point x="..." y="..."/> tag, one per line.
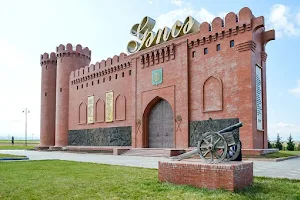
<point x="208" y="74"/>
<point x="229" y="176"/>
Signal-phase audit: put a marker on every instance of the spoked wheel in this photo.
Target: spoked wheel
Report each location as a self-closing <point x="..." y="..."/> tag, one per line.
<point x="233" y="151"/>
<point x="212" y="147"/>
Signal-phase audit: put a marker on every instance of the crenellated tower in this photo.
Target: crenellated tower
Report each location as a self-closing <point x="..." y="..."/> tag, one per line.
<point x="48" y="100"/>
<point x="68" y="59"/>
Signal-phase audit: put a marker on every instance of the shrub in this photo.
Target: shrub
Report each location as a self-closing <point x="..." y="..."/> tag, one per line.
<point x="278" y="143"/>
<point x="290" y="143"/>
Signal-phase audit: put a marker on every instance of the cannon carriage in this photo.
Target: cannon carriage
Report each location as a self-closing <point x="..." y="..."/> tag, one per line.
<point x="215" y="147"/>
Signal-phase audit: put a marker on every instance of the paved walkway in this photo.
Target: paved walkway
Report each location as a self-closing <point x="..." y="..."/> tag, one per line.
<point x="284" y="169"/>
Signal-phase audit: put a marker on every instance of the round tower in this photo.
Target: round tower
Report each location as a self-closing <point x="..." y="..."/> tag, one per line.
<point x="48" y="93"/>
<point x="68" y="59"/>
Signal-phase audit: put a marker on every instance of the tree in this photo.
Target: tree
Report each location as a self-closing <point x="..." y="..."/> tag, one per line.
<point x="278" y="143"/>
<point x="290" y="143"/>
<point x="298" y="148"/>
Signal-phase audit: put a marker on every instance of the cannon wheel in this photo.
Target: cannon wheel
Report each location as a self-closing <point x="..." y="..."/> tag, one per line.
<point x="233" y="151"/>
<point x="214" y="144"/>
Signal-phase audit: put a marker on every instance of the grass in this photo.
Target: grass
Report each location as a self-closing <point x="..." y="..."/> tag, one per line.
<point x="76" y="180"/>
<point x="10" y="156"/>
<point x="279" y="154"/>
<point x="19" y="147"/>
<point x="294" y="153"/>
<point x="20" y="142"/>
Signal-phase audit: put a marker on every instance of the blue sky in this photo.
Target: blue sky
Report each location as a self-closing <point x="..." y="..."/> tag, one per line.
<point x="30" y="28"/>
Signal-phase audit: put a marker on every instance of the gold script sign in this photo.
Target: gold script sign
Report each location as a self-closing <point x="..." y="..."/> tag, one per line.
<point x="109" y="107"/>
<point x="143" y="31"/>
<point x="90" y="109"/>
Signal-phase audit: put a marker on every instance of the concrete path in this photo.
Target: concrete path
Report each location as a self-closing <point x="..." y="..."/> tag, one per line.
<point x="284" y="169"/>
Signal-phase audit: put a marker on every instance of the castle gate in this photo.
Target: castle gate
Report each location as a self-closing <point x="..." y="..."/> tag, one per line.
<point x="161" y="126"/>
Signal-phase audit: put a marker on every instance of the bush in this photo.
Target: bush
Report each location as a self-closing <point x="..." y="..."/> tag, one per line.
<point x="278" y="143"/>
<point x="269" y="145"/>
<point x="290" y="143"/>
<point x="298" y="148"/>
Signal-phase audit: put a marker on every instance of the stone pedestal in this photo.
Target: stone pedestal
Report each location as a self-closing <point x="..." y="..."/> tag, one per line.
<point x="227" y="175"/>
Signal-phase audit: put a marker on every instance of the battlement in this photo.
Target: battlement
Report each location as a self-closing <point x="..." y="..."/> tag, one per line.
<point x="69" y="50"/>
<point x="45" y="58"/>
<point x="232" y="24"/>
<point x="102" y="68"/>
<point x="232" y="20"/>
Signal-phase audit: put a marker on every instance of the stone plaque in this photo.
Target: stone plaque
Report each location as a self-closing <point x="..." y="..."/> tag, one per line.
<point x="197" y="128"/>
<point x="109" y="106"/>
<point x="113" y="136"/>
<point x="259" y="114"/>
<point x="157" y="76"/>
<point x="90" y="109"/>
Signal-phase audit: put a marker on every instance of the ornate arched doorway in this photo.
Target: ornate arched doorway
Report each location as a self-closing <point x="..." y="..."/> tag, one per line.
<point x="160" y="126"/>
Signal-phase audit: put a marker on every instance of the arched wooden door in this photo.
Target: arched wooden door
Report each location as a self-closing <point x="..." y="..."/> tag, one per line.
<point x="161" y="126"/>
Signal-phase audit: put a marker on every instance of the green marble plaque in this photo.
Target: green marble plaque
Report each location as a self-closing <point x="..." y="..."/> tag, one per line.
<point x="157" y="76"/>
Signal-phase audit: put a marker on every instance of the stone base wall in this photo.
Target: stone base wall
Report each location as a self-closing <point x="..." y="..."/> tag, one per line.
<point x="114" y="136"/>
<point x="197" y="128"/>
<point x="229" y="176"/>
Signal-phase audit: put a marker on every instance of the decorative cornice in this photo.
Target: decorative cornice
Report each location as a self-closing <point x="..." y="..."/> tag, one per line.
<point x="246" y="46"/>
<point x="102" y="72"/>
<point x="157" y="56"/>
<point x="264" y="56"/>
<point x="214" y="36"/>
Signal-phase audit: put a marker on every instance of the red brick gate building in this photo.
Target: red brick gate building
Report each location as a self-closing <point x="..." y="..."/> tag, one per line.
<point x="161" y="96"/>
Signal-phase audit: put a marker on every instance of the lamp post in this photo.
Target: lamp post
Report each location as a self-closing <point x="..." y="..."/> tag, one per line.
<point x="26" y="111"/>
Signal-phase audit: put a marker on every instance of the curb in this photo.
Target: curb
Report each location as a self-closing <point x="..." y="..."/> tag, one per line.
<point x="21" y="158"/>
<point x="287" y="158"/>
<point x="270" y="159"/>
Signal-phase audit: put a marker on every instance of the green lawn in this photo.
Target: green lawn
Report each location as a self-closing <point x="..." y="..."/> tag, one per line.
<point x="19" y="142"/>
<point x="15" y="147"/>
<point x="10" y="156"/>
<point x="295" y="153"/>
<point x="279" y="154"/>
<point x="77" y="180"/>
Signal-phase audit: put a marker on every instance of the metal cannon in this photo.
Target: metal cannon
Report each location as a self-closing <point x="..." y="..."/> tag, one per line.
<point x="215" y="147"/>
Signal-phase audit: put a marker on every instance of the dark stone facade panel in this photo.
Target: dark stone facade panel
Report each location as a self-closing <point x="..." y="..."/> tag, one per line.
<point x="114" y="136"/>
<point x="197" y="128"/>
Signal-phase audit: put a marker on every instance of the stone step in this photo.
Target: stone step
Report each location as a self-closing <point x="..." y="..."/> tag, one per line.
<point x="145" y="152"/>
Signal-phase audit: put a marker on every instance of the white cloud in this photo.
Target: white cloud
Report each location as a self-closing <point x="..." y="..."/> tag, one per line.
<point x="296" y="91"/>
<point x="172" y="16"/>
<point x="150" y="1"/>
<point x="284" y="130"/>
<point x="283" y="21"/>
<point x="177" y="2"/>
<point x="298" y="18"/>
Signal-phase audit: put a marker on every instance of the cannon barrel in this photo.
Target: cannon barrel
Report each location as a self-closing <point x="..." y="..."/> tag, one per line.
<point x="186" y="155"/>
<point x="231" y="128"/>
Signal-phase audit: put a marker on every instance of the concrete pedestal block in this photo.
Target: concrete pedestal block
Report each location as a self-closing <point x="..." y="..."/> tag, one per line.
<point x="227" y="175"/>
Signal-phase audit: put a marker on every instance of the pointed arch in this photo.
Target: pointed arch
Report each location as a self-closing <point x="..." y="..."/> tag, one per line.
<point x="149" y="123"/>
<point x="212" y="94"/>
<point x="100" y="110"/>
<point x="120" y="107"/>
<point x="82" y="113"/>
